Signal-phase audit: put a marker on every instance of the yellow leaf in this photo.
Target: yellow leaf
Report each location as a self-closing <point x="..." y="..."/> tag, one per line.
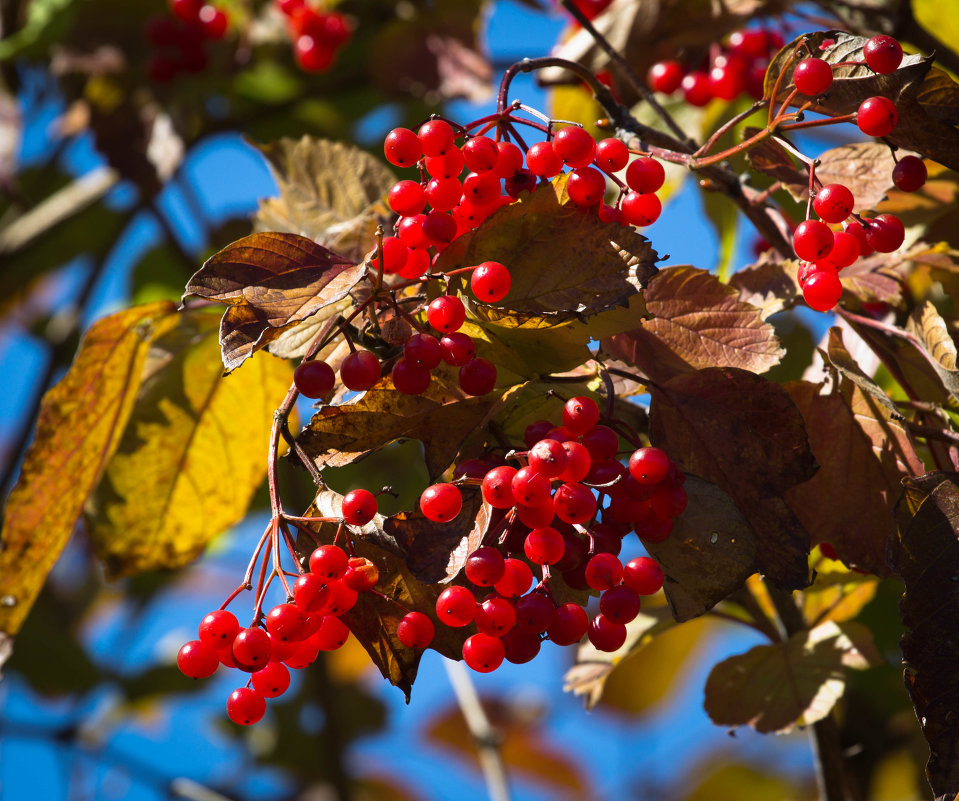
<point x="79" y="427"/>
<point x="192" y="456"/>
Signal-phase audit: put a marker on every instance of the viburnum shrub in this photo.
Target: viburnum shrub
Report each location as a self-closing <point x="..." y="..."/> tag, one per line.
<point x="597" y="446"/>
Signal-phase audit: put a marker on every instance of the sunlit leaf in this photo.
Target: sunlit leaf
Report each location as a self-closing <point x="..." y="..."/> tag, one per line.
<point x="837" y="594"/>
<point x="925" y="555"/>
<point x="775" y="687"/>
<point x="742" y="433"/>
<point x="929" y="327"/>
<point x="865" y="168"/>
<point x="79" y="428"/>
<point x="270" y="281"/>
<point x="769" y="284"/>
<point x="181" y="474"/>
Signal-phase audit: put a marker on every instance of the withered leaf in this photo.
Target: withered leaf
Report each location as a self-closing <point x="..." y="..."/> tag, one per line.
<point x="561" y="257"/>
<point x="770" y="284"/>
<point x="710" y="553"/>
<point x="865" y="168"/>
<point x="936" y="344"/>
<point x="701" y="322"/>
<point x="772" y="158"/>
<point x="270" y="282"/>
<point x="744" y="434"/>
<point x="79" y="427"/>
<point x="925" y="555"/>
<point x="926" y="114"/>
<point x="840" y="358"/>
<point x="879" y="277"/>
<point x="863" y="454"/>
<point x="775" y="687"/>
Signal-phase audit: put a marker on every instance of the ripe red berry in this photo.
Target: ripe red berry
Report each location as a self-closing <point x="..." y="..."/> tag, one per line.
<point x="285" y="622"/>
<point x="640" y="210"/>
<point x="883" y="54"/>
<point x="436" y="137"/>
<point x="272" y="681"/>
<point x="483" y="653"/>
<point x="603" y="571"/>
<point x="909" y="174"/>
<point x="648" y="465"/>
<point x="197" y="659"/>
<point x="645" y="175"/>
<point x="530" y="488"/>
<point x="534" y="612"/>
<point x="360" y="370"/>
<point x="245" y="706"/>
<point x="485" y="566"/>
<point x="490" y="282"/>
<point x="605" y="634"/>
<point x="845" y="249"/>
<point x="415" y="630"/>
<point x="477" y="376"/>
<point x="574" y="503"/>
<point x="812" y="76"/>
<point x="312" y="54"/>
<point x="544" y="546"/>
<point x="833" y="203"/>
<point x="877" y="116"/>
<point x="516" y="580"/>
<point x="509" y="160"/>
<point x="446" y="313"/>
<point x="186" y="10"/>
<point x="580" y="414"/>
<point x="822" y="289"/>
<point x="402" y="147"/>
<point x="314" y="379"/>
<point x="812" y="240"/>
<point x="219" y="628"/>
<point x="423" y="350"/>
<point x="575" y="146"/>
<point x="665" y="76"/>
<point x="586" y="185"/>
<point x="361" y="575"/>
<point x="569" y="624"/>
<point x="885" y="233"/>
<point x="482" y="189"/>
<point x="696" y="88"/>
<point x="495" y="616"/>
<point x="542" y="160"/>
<point x="548" y="457"/>
<point x="497" y="487"/>
<point x="251" y="649"/>
<point x="619" y="604"/>
<point x="457" y="348"/>
<point x="601" y="442"/>
<point x="456" y="606"/>
<point x="359" y="507"/>
<point x="520" y="646"/>
<point x="407" y="198"/>
<point x="644" y="575"/>
<point x="441" y="502"/>
<point x="213" y="22"/>
<point x="859" y="232"/>
<point x="332" y="635"/>
<point x="395" y="254"/>
<point x="755" y="42"/>
<point x="410" y="378"/>
<point x="329" y="562"/>
<point x="480" y="153"/>
<point x="447" y="166"/>
<point x="578" y="462"/>
<point x="611" y="155"/>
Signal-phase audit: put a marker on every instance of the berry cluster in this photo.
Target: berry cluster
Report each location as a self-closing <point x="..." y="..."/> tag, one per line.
<point x="548" y="508"/>
<point x="181" y="39"/>
<point x="824" y="252"/>
<point x="317" y="35"/>
<point x="728" y="72"/>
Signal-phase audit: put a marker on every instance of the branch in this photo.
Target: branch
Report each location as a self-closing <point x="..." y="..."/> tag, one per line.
<point x="485" y="736"/>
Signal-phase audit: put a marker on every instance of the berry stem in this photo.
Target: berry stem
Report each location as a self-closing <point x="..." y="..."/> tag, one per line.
<point x="802" y="124"/>
<point x="726" y="126"/>
<point x="779" y="79"/>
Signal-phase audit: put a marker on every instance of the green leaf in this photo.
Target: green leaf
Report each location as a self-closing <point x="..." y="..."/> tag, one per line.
<point x="193" y="453"/>
<point x="744" y="434"/>
<point x="270" y="282"/>
<point x="776" y="687"/>
<point x="79" y="428"/>
<point x="925" y="555"/>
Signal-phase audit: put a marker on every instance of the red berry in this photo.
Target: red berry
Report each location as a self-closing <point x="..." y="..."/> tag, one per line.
<point x="543" y="160"/>
<point x="859" y="232"/>
<point x="845" y="249"/>
<point x="644" y="575"/>
<point x="441" y="502"/>
<point x="534" y="613"/>
<point x="640" y="210"/>
<point x="569" y="624"/>
<point x="219" y="628"/>
<point x="402" y="147"/>
<point x="410" y="378"/>
<point x="409" y="230"/>
<point x="586" y="185"/>
<point x="909" y="174"/>
<point x="187" y="10"/>
<point x="213" y="22"/>
<point x="648" y="465"/>
<point x="313" y="55"/>
<point x="407" y="198"/>
<point x="727" y="77"/>
<point x="495" y="616"/>
<point x="574" y="503"/>
<point x="812" y="240"/>
<point x="578" y="462"/>
<point x="415" y="630"/>
<point x="580" y="414"/>
<point x="611" y="155"/>
<point x="361" y="575"/>
<point x="314" y="379"/>
<point x="245" y="706"/>
<point x="490" y="282"/>
<point x="520" y="646"/>
<point x="509" y="160"/>
<point x="605" y="634"/>
<point x="601" y="442"/>
<point x="575" y="146"/>
<point x="477" y="376"/>
<point x="645" y="175"/>
<point x="197" y="659"/>
<point x="272" y="681"/>
<point x="696" y="88"/>
<point x="395" y="254"/>
<point x="443" y="193"/>
<point x="548" y="457"/>
<point x="530" y="488"/>
<point x="483" y="653"/>
<point x="603" y="571"/>
<point x="485" y="566"/>
<point x="833" y="203"/>
<point x="885" y="233"/>
<point x="285" y="622"/>
<point x="544" y="546"/>
<point x="619" y="604"/>
<point x="497" y="487"/>
<point x="518" y="182"/>
<point x="812" y="76"/>
<point x="665" y="76"/>
<point x="251" y="649"/>
<point x="423" y="350"/>
<point x="457" y="348"/>
<point x="329" y="562"/>
<point x="755" y="43"/>
<point x="446" y="313"/>
<point x="332" y="635"/>
<point x="456" y="606"/>
<point x="360" y="370"/>
<point x="436" y="137"/>
<point x="480" y="153"/>
<point x="359" y="507"/>
<point x="517" y="579"/>
<point x="822" y="289"/>
<point x="447" y="166"/>
<point x="883" y="54"/>
<point x="877" y="116"/>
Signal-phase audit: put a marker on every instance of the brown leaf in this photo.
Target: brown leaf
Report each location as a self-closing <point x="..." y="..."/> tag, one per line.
<point x="270" y="281"/>
<point x="925" y="555"/>
<point x="772" y="158"/>
<point x="769" y="284"/>
<point x="842" y="360"/>
<point x="701" y="322"/>
<point x="79" y="427"/>
<point x="339" y="435"/>
<point x="330" y="192"/>
<point x="863" y="454"/>
<point x="775" y="687"/>
<point x="879" y="277"/>
<point x="929" y="327"/>
<point x="864" y="167"/>
<point x="561" y="258"/>
<point x="710" y="553"/>
<point x="742" y="433"/>
<point x="925" y="113"/>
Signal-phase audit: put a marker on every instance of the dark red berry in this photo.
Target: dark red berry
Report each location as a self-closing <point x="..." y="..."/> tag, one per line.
<point x="909" y="174"/>
<point x="477" y="376"/>
<point x="605" y="634"/>
<point x="410" y="378"/>
<point x="644" y="575"/>
<point x="569" y="624"/>
<point x="314" y="379"/>
<point x="360" y="370"/>
<point x="446" y="313"/>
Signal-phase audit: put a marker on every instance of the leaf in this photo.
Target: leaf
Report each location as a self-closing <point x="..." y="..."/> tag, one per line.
<point x="770" y="157"/>
<point x="339" y="435"/>
<point x="864" y="167"/>
<point x="710" y="553"/>
<point x="79" y="427"/>
<point x="879" y="278"/>
<point x="561" y="258"/>
<point x="863" y="454"/>
<point x="775" y="687"/>
<point x="925" y="555"/>
<point x="936" y="344"/>
<point x="744" y="434"/>
<point x="192" y="455"/>
<point x="837" y="595"/>
<point x="926" y="98"/>
<point x="701" y="322"/>
<point x="769" y="284"/>
<point x="842" y="360"/>
<point x="270" y="281"/>
<point x="330" y="192"/>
